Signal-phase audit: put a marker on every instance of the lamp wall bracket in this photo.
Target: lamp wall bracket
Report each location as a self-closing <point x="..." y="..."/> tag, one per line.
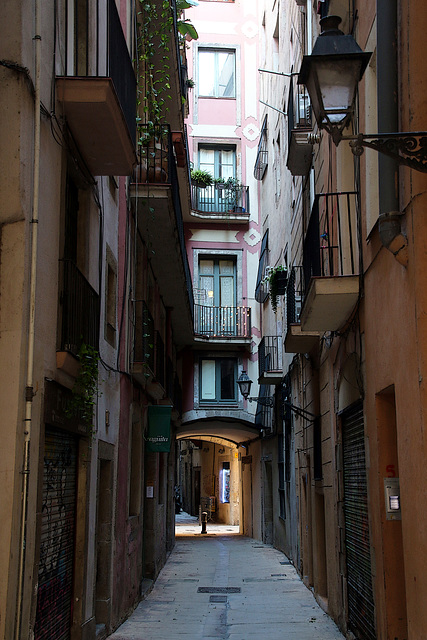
<point x="407" y="148"/>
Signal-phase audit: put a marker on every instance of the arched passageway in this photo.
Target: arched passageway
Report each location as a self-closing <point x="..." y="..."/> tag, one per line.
<point x="214" y="471"/>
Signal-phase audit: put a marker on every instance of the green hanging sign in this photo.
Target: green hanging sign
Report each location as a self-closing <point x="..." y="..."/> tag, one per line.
<point x="159" y="429"/>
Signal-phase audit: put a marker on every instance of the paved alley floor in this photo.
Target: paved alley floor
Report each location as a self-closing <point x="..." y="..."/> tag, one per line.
<point x="225" y="586"/>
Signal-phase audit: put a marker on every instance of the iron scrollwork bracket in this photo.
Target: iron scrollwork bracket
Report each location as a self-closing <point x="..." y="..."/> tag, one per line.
<point x="265" y="401"/>
<point x="406" y="148"/>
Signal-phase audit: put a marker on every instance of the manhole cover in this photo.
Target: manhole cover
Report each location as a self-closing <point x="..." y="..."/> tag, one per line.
<point x="219" y="590"/>
<point x="218" y="598"/>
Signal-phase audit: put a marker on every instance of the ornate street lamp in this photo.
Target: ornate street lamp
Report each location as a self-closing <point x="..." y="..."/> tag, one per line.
<point x="331" y="75"/>
<point x="245" y="383"/>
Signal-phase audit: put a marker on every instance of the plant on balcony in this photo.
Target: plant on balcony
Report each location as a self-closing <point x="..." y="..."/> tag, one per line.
<point x="155" y="27"/>
<point x="233" y="193"/>
<point x="277" y="279"/>
<point x="85" y="389"/>
<point x="201" y="179"/>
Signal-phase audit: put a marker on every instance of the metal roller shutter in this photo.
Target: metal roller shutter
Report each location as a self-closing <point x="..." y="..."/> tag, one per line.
<point x="361" y="610"/>
<point x="53" y="616"/>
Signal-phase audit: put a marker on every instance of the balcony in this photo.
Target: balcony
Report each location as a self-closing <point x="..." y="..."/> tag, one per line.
<point x="300" y="146"/>
<point x="155" y="196"/>
<point x="97" y="87"/>
<point x="331" y="262"/>
<point x="264" y="416"/>
<point x="215" y="203"/>
<point x="147" y="358"/>
<point x="261" y="162"/>
<point x="296" y="340"/>
<point x="270" y="369"/>
<point x="79" y="313"/>
<point x="222" y="324"/>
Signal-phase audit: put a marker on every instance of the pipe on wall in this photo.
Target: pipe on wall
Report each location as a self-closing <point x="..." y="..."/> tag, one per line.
<point x="29" y="392"/>
<point x="388" y="122"/>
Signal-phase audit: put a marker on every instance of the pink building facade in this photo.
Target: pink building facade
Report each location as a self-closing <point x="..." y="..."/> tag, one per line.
<point x="223" y="237"/>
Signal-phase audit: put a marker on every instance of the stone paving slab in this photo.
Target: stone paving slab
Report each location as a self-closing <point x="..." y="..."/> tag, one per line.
<point x="273" y="602"/>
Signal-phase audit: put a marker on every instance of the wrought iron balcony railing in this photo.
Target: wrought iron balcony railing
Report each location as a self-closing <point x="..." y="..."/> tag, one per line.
<point x="157" y="166"/>
<point x="79" y="310"/>
<point x="97" y="49"/>
<point x="214" y="200"/>
<point x="222" y="322"/>
<point x="264" y="416"/>
<point x="143" y="351"/>
<point x="160" y="359"/>
<point x="270" y="355"/>
<point x="331" y="245"/>
<point x="294" y="294"/>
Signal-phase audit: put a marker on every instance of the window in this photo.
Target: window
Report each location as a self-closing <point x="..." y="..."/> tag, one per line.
<point x="110" y="298"/>
<point x="135" y="467"/>
<point x="220" y="162"/>
<point x="218" y="380"/>
<point x="217" y="278"/>
<point x="262" y="155"/>
<point x="217" y="316"/>
<point x="217" y="71"/>
<point x="281" y="469"/>
<point x="261" y="290"/>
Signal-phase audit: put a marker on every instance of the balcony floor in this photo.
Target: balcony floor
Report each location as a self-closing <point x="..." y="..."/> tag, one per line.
<point x="98" y="125"/>
<point x="329" y="303"/>
<point x="298" y="341"/>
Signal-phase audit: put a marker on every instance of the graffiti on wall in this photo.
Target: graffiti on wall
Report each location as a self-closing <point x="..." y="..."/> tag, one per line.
<point x="53" y="615"/>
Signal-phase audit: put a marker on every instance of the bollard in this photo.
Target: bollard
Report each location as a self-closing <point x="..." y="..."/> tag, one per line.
<point x="204" y="521"/>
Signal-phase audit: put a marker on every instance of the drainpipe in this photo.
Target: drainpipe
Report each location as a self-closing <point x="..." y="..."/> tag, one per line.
<point x="387" y="91"/>
<point x="29" y="392"/>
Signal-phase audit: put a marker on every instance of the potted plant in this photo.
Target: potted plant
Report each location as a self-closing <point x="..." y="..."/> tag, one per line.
<point x="219" y="183"/>
<point x="234" y="191"/>
<point x="277" y="279"/>
<point x="201" y="178"/>
<point x="153" y="154"/>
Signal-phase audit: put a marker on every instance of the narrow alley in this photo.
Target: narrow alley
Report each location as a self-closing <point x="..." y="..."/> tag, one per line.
<point x="224" y="585"/>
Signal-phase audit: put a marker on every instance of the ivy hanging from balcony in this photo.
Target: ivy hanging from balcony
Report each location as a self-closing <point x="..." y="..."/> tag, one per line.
<point x="155" y="25"/>
<point x="277" y="279"/>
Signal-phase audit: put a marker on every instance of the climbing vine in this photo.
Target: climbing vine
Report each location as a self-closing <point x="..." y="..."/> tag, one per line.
<point x="85" y="389"/>
<point x="154" y="40"/>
